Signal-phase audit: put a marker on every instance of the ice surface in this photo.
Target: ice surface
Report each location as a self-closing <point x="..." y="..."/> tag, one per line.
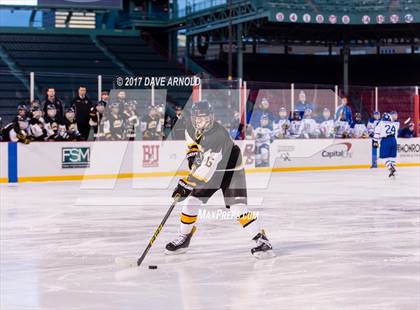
<point x="345" y="239"/>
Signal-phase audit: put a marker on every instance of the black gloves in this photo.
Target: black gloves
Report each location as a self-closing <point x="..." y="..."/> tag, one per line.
<point x="183" y="189"/>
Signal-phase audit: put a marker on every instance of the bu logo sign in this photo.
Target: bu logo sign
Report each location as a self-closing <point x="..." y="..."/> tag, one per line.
<point x="150" y="155"/>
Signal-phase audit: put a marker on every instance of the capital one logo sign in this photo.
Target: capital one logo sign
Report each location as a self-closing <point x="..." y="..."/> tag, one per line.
<point x="151" y="155"/>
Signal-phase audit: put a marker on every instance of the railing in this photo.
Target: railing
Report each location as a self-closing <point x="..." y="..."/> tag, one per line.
<point x="246" y="98"/>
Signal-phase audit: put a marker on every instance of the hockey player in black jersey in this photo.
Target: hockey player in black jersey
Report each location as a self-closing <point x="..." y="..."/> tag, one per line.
<point x="97" y="117"/>
<point x="215" y="162"/>
<point x="53" y="124"/>
<point x="72" y="132"/>
<point x="114" y="124"/>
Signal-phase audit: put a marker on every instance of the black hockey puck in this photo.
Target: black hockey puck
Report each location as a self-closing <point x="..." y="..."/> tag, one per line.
<point x="152" y="267"/>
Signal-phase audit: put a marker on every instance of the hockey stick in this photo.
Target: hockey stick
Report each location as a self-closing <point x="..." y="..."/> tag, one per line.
<point x="130" y="262"/>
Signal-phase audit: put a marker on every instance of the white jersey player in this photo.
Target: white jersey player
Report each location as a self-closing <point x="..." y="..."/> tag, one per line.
<point x="281" y="127"/>
<point x="386" y="131"/>
<point x="263" y="138"/>
<point x="309" y="125"/>
<point x="295" y="130"/>
<point x="342" y="127"/>
<point x="326" y="127"/>
<point x="373" y="121"/>
<point x="358" y="129"/>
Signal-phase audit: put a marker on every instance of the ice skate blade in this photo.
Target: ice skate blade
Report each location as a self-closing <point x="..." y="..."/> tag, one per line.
<point x="126" y="262"/>
<point x="177" y="252"/>
<point x="264" y="255"/>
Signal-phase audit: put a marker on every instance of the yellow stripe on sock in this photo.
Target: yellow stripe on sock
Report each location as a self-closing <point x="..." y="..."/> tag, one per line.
<point x="188" y="219"/>
<point x="247" y="218"/>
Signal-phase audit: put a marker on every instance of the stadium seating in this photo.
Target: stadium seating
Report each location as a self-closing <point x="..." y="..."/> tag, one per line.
<point x="66" y="61"/>
<point x="12" y="92"/>
<point x="142" y="59"/>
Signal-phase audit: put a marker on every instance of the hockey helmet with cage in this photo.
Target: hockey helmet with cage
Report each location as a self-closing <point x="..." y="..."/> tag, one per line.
<point x="22" y="122"/>
<point x="386" y="117"/>
<point x="51" y="110"/>
<point x="22" y="107"/>
<point x="394" y="115"/>
<point x="296" y="115"/>
<point x="202" y="116"/>
<point x="264" y="121"/>
<point x="114" y="105"/>
<point x="283" y="112"/>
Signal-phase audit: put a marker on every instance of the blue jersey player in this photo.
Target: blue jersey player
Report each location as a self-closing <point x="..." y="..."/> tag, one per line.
<point x="386" y="131"/>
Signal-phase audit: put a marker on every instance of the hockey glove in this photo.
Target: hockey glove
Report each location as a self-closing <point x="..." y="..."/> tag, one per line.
<point x="191" y="153"/>
<point x="183" y="189"/>
<point x="375" y="144"/>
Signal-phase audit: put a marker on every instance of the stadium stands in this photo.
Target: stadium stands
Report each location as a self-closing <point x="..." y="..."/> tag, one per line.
<point x="12" y="91"/>
<point x="65" y="61"/>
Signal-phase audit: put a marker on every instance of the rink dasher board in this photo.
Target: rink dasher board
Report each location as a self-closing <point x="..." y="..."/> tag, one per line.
<point x="67" y="161"/>
<point x="4" y="161"/>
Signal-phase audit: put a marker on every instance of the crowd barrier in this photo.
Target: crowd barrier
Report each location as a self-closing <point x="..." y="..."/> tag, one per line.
<point x="66" y="161"/>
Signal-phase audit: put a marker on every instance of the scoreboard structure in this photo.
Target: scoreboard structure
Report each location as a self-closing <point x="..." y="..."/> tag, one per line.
<point x="65" y="4"/>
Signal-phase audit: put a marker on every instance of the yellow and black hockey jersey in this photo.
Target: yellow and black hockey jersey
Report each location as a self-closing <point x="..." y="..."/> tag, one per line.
<point x="211" y="151"/>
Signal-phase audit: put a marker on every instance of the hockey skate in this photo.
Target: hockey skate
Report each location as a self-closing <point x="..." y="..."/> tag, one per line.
<point x="392" y="171"/>
<point x="263" y="250"/>
<point x="180" y="244"/>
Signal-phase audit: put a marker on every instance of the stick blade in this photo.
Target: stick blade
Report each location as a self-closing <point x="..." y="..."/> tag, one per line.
<point x="126" y="261"/>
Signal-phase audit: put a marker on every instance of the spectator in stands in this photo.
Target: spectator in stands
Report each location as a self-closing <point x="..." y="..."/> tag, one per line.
<point x="254" y="117"/>
<point x="343" y="108"/>
<point x="82" y="107"/>
<point x="408" y="130"/>
<point x="52" y="99"/>
<point x="302" y="105"/>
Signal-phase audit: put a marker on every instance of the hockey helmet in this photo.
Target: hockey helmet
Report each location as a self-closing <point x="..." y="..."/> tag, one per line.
<point x="307" y="113"/>
<point x="326" y="113"/>
<point x="70" y="114"/>
<point x="283" y="112"/>
<point x="22" y="122"/>
<point x="394" y="115"/>
<point x="202" y="116"/>
<point x="51" y="110"/>
<point x="386" y="117"/>
<point x="114" y="105"/>
<point x="264" y="120"/>
<point x="296" y="115"/>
